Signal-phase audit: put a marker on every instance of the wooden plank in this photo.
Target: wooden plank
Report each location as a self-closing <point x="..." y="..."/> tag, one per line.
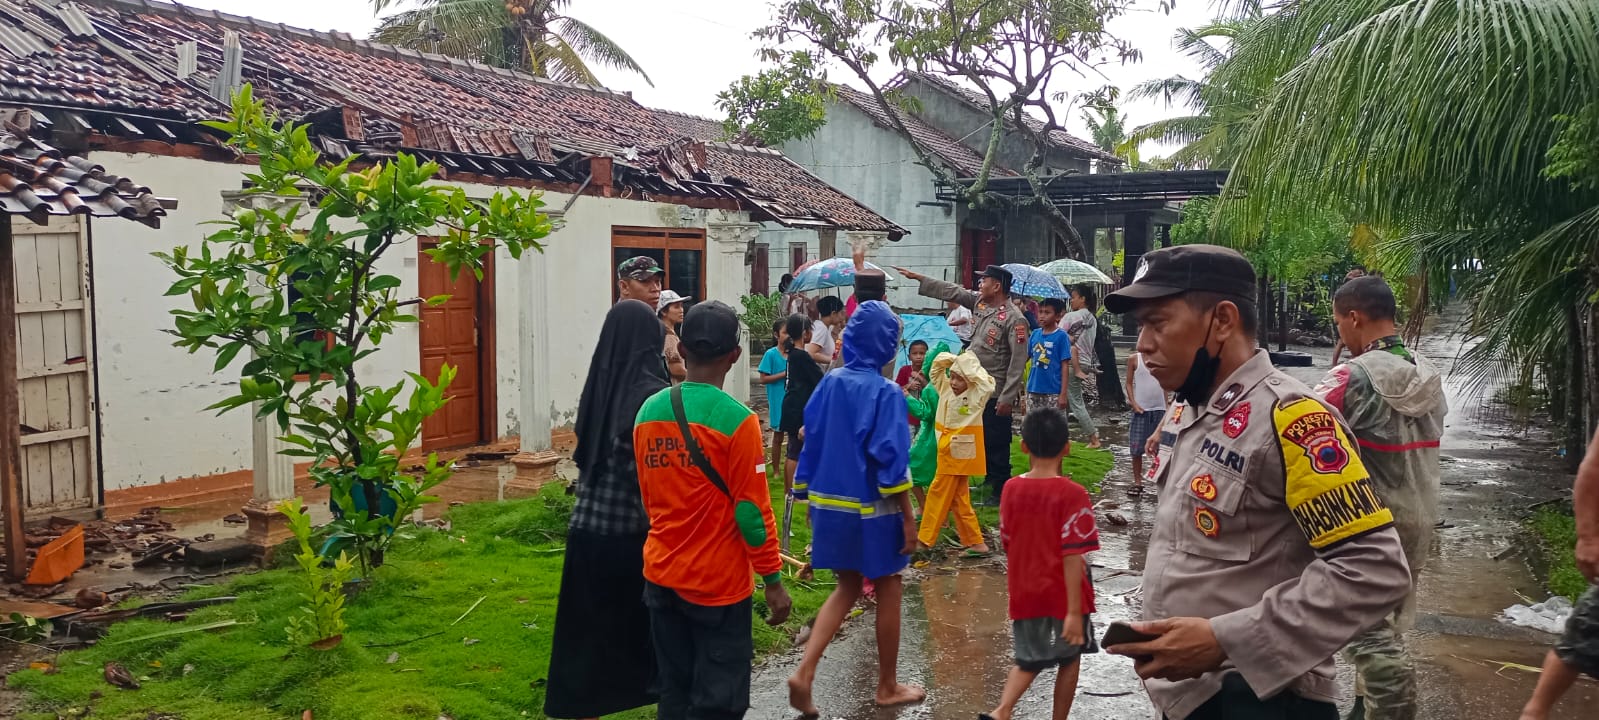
<point x="10" y="412"/>
<point x="56" y="224"/>
<point x="76" y="335"/>
<point x="71" y="261"/>
<point x="63" y="477"/>
<point x="26" y="262"/>
<point x="58" y="408"/>
<point x="55" y="338"/>
<point x="81" y="368"/>
<point x="78" y="388"/>
<point x="50" y="306"/>
<point x="83" y="469"/>
<point x="45" y="438"/>
<point x="36" y="470"/>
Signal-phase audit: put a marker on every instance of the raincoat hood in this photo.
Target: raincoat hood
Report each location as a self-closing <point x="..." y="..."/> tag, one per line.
<point x="871" y="337"/>
<point x="932" y="356"/>
<point x="978" y="381"/>
<point x="1412" y="390"/>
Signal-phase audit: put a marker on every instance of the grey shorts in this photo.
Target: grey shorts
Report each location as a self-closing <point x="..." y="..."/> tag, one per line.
<point x="1579" y="646"/>
<point x="1039" y="647"/>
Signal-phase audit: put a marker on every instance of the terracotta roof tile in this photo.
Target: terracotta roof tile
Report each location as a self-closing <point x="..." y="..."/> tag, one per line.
<point x="37" y="180"/>
<point x="789" y="192"/>
<point x="953" y="152"/>
<point x="120" y="59"/>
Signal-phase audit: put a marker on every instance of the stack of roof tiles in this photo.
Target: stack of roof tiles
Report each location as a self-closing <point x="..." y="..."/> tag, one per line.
<point x="37" y="181"/>
<point x="131" y="68"/>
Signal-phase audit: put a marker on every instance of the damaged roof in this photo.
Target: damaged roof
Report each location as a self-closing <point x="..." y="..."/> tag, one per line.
<point x="936" y="142"/>
<point x="145" y="70"/>
<point x="806" y="201"/>
<point x="37" y="180"/>
<point x="1059" y="138"/>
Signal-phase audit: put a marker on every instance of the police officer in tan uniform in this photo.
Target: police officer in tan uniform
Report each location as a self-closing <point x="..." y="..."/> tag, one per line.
<point x="999" y="339"/>
<point x="1270" y="549"/>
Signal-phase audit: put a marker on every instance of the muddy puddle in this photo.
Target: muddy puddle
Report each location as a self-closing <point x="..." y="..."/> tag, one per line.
<point x="1495" y="470"/>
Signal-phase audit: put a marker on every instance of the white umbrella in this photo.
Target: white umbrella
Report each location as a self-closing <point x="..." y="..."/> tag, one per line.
<point x="1073" y="272"/>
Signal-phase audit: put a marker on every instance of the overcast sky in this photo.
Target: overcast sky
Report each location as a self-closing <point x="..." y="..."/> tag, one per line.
<point x="694" y="49"/>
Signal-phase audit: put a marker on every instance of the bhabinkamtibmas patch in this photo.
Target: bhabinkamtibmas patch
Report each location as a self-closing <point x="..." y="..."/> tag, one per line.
<point x="1328" y="490"/>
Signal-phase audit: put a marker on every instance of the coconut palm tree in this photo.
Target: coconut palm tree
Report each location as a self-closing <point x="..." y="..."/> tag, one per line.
<point x="529" y="35"/>
<point x="1107" y="126"/>
<point x="1209" y="134"/>
<point x="1466" y="132"/>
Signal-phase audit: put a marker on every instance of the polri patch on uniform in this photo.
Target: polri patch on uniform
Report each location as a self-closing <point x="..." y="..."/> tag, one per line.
<point x="1203" y="487"/>
<point x="1021" y="334"/>
<point x="1154" y="467"/>
<point x="1206" y="522"/>
<point x="1177" y="414"/>
<point x="1228" y="396"/>
<point x="1317" y="434"/>
<point x="1222" y="456"/>
<point x="991" y="337"/>
<point x="1236" y="421"/>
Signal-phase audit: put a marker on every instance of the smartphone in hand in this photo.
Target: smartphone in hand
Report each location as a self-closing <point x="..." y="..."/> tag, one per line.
<point x="1120" y="633"/>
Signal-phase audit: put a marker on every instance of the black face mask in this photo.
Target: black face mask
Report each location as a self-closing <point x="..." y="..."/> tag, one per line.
<point x="1201" y="379"/>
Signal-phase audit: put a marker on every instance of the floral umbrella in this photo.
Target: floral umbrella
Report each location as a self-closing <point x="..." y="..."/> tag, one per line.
<point x="836" y="272"/>
<point x="1032" y="282"/>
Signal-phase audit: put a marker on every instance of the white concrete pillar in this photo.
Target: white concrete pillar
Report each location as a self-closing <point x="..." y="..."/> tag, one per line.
<point x="728" y="245"/>
<point x="534" y="344"/>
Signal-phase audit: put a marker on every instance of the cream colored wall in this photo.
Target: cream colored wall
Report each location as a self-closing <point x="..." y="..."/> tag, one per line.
<point x="153" y="395"/>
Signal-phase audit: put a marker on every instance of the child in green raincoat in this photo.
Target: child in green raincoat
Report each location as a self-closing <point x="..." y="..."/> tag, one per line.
<point x="924" y="447"/>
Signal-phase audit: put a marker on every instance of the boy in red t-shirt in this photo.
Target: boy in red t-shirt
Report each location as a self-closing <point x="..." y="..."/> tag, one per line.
<point x="1047" y="524"/>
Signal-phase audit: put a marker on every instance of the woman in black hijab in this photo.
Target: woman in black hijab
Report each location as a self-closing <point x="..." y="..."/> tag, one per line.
<point x="601" y="661"/>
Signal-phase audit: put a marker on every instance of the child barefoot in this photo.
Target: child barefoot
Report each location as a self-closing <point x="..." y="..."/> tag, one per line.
<point x="963" y="389"/>
<point x="855" y="468"/>
<point x="1048" y="524"/>
<point x="923" y="406"/>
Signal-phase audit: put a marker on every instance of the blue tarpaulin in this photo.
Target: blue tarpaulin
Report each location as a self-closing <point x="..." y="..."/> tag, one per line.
<point x="931" y="329"/>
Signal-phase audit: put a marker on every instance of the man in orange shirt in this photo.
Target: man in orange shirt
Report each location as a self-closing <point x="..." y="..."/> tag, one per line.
<point x="702" y="476"/>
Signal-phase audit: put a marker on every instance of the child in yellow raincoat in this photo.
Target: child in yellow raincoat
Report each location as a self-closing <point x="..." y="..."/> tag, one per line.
<point x="963" y="389"/>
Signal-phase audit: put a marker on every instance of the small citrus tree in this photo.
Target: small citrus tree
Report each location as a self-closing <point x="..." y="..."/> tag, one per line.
<point x="293" y="278"/>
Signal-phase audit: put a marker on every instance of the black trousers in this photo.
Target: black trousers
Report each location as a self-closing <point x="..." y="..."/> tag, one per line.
<point x="1237" y="701"/>
<point x="703" y="655"/>
<point x="997" y="433"/>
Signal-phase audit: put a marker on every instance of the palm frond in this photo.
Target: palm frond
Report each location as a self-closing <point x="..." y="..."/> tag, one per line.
<point x="1177" y="130"/>
<point x="1407" y="107"/>
<point x="561" y="62"/>
<point x="1175" y="90"/>
<point x="467" y="29"/>
<point x="597" y="47"/>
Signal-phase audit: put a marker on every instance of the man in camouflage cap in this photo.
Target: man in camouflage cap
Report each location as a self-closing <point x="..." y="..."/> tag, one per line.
<point x="639" y="278"/>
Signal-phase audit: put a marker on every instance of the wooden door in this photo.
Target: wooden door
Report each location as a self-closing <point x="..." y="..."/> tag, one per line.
<point x="760" y="271"/>
<point x="451" y="335"/>
<point x="55" y="368"/>
<point x="979" y="249"/>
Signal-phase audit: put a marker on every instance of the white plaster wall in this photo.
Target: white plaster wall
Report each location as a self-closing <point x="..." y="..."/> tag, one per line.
<point x="153" y="395"/>
<point x="877" y="167"/>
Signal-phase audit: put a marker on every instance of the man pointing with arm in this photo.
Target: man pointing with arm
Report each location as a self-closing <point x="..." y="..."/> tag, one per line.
<point x="999" y="339"/>
<point x="1270" y="549"/>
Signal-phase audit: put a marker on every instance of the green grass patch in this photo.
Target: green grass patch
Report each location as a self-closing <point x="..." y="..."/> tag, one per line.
<point x="1557" y="534"/>
<point x="489" y="665"/>
<point x="1085" y="465"/>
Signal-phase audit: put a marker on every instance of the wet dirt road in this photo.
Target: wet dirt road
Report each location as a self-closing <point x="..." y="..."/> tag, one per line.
<point x="955" y="638"/>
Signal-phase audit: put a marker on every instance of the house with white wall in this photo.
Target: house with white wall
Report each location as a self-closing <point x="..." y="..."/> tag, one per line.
<point x="124" y="83"/>
<point x="860" y="151"/>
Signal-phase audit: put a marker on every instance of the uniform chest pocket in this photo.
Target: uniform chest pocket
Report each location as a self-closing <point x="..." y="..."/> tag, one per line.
<point x="1216" y="529"/>
<point x="963" y="447"/>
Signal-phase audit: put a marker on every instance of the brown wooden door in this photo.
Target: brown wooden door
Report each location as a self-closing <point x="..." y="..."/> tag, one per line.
<point x="450" y="335"/>
<point x="979" y="249"/>
<point x="760" y="271"/>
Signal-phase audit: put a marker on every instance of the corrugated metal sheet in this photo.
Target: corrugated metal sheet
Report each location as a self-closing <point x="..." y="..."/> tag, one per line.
<point x="78" y="24"/>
